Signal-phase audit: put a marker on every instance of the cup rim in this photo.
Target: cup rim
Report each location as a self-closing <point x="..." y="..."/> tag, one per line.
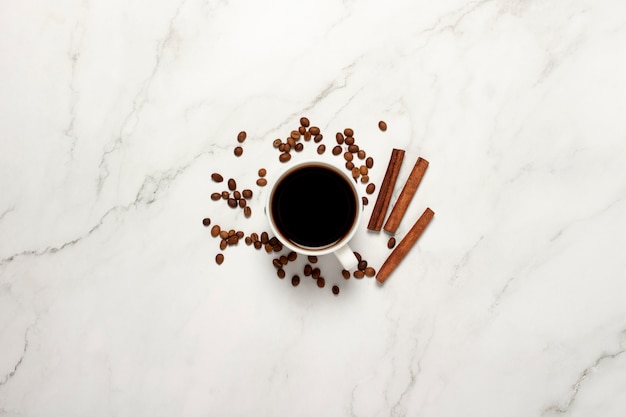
<point x="307" y="251"/>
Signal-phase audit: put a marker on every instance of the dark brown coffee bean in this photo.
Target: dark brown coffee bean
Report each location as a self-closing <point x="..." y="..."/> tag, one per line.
<point x="295" y="280"/>
<point x="278" y="247"/>
<point x="307" y="136"/>
<point x="215" y="231"/>
<point x="353" y="148"/>
<point x="365" y="200"/>
<point x="254" y="236"/>
<point x="321" y="282"/>
<point x="349" y="141"/>
<point x="382" y="125"/>
<point x="337" y="150"/>
<point x="232" y="184"/>
<point x="295" y="134"/>
<point x="362" y="265"/>
<point x="315" y="273"/>
<point x="345" y="273"/>
<point x="348" y="132"/>
<point x="304" y="122"/>
<point x="370" y="188"/>
<point x="364" y="170"/>
<point x="241" y="136"/>
<point x="314" y="130"/>
<point x="284" y="260"/>
<point x="223" y="234"/>
<point x="232" y="202"/>
<point x="318" y="138"/>
<point x="339" y="138"/>
<point x="358" y="256"/>
<point x="335" y="290"/>
<point x="281" y="147"/>
<point x="239" y="234"/>
<point x="277" y="143"/>
<point x="280" y="273"/>
<point x="258" y="244"/>
<point x="261" y="182"/>
<point x="308" y="269"/>
<point x="273" y="240"/>
<point x="365" y="179"/>
<point x="358" y="274"/>
<point x="248" y="240"/>
<point x="223" y="244"/>
<point x="247" y="211"/>
<point x="236" y="195"/>
<point x="216" y="196"/>
<point x="292" y="256"/>
<point x="312" y="259"/>
<point x="238" y="151"/>
<point x="291" y="142"/>
<point x="349" y="165"/>
<point x="225" y="195"/>
<point x="391" y="243"/>
<point x="369" y="271"/>
<point x="321" y="149"/>
<point x="348" y="156"/>
<point x="217" y="177"/>
<point x="369" y="162"/>
<point x="242" y="203"/>
<point x="247" y="194"/>
<point x="206" y="221"/>
<point x="361" y="154"/>
<point x="264" y="238"/>
<point x="284" y="157"/>
<point x="302" y="130"/>
<point x="233" y="240"/>
<point x="219" y="258"/>
<point x="262" y="172"/>
<point x="299" y="147"/>
<point x="277" y="263"/>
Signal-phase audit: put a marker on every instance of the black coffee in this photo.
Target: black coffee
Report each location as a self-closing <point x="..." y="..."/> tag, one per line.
<point x="314" y="206"/>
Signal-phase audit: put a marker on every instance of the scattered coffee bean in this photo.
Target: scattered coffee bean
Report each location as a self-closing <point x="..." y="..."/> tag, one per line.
<point x="219" y="258"/>
<point x="225" y="195"/>
<point x="365" y="179"/>
<point x="308" y="269"/>
<point x="248" y="240"/>
<point x="299" y="147"/>
<point x="355" y="172"/>
<point x="337" y="150"/>
<point x="391" y="243"/>
<point x="304" y="122"/>
<point x="358" y="256"/>
<point x="264" y="238"/>
<point x="277" y="247"/>
<point x="254" y="236"/>
<point x="258" y="244"/>
<point x="217" y="177"/>
<point x="277" y="263"/>
<point x="206" y="221"/>
<point x="232" y="202"/>
<point x="241" y="136"/>
<point x="318" y="138"/>
<point x="280" y="273"/>
<point x="239" y="234"/>
<point x="321" y="282"/>
<point x="284" y="157"/>
<point x="261" y="182"/>
<point x="348" y="132"/>
<point x="382" y="125"/>
<point x="295" y="134"/>
<point x="312" y="259"/>
<point x="370" y="188"/>
<point x="236" y="195"/>
<point x="277" y="143"/>
<point x="369" y="162"/>
<point x="361" y="154"/>
<point x="345" y="273"/>
<point x="321" y="149"/>
<point x="302" y="130"/>
<point x="349" y="165"/>
<point x="233" y="240"/>
<point x="238" y="151"/>
<point x="284" y="260"/>
<point x="369" y="271"/>
<point x="281" y="147"/>
<point x="216" y="196"/>
<point x="247" y="193"/>
<point x="273" y="240"/>
<point x="307" y="136"/>
<point x="314" y="130"/>
<point x="348" y="156"/>
<point x="268" y="248"/>
<point x="223" y="244"/>
<point x="242" y="203"/>
<point x="365" y="200"/>
<point x="232" y="232"/>
<point x="295" y="280"/>
<point x="232" y="184"/>
<point x="353" y="148"/>
<point x="349" y="141"/>
<point x="363" y="170"/>
<point x="287" y="148"/>
<point x="335" y="290"/>
<point x="362" y="265"/>
<point x="339" y="138"/>
<point x="223" y="234"/>
<point x="358" y="274"/>
<point x="315" y="273"/>
<point x="263" y="172"/>
<point x="292" y="256"/>
<point x="291" y="142"/>
<point x="215" y="231"/>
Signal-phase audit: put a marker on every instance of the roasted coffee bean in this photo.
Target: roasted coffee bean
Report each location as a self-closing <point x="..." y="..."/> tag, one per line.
<point x="223" y="234"/>
<point x="232" y="202"/>
<point x="268" y="248"/>
<point x="236" y="195"/>
<point x="273" y="240"/>
<point x="287" y="148"/>
<point x="225" y="195"/>
<point x="223" y="244"/>
<point x="353" y="148"/>
<point x="349" y="165"/>
<point x="280" y="273"/>
<point x="284" y="157"/>
<point x="358" y="274"/>
<point x="369" y="271"/>
<point x="295" y="280"/>
<point x="369" y="162"/>
<point x="238" y="151"/>
<point x="206" y="221"/>
<point x="277" y="143"/>
<point x="241" y="136"/>
<point x="247" y="211"/>
<point x="264" y="238"/>
<point x="382" y="125"/>
<point x="233" y="240"/>
<point x="391" y="243"/>
<point x="365" y="200"/>
<point x="232" y="232"/>
<point x="304" y="122"/>
<point x="339" y="138"/>
<point x="318" y="138"/>
<point x="299" y="147"/>
<point x="277" y="263"/>
<point x="302" y="129"/>
<point x="239" y="234"/>
<point x="355" y="172"/>
<point x="362" y="265"/>
<point x="232" y="184"/>
<point x="242" y="203"/>
<point x="370" y="188"/>
<point x="284" y="260"/>
<point x="247" y="193"/>
<point x="312" y="259"/>
<point x="261" y="182"/>
<point x="219" y="258"/>
<point x="217" y="177"/>
<point x="291" y="142"/>
<point x="295" y="134"/>
<point x="321" y="149"/>
<point x="278" y="247"/>
<point x="254" y="236"/>
<point x="292" y="256"/>
<point x="248" y="240"/>
<point x="364" y="170"/>
<point x="358" y="256"/>
<point x="349" y="141"/>
<point x="361" y="154"/>
<point x="216" y="196"/>
<point x="337" y="150"/>
<point x="281" y="147"/>
<point x="365" y="179"/>
<point x="258" y="244"/>
<point x="215" y="231"/>
<point x="315" y="273"/>
<point x="335" y="290"/>
<point x="348" y="132"/>
<point x="308" y="269"/>
<point x="345" y="273"/>
<point x="262" y="172"/>
<point x="348" y="156"/>
<point x="307" y="136"/>
<point x="314" y="130"/>
<point x="321" y="282"/>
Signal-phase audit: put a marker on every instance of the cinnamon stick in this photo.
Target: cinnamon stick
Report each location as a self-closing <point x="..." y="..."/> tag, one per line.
<point x="406" y="195"/>
<point x="405" y="245"/>
<point x="386" y="190"/>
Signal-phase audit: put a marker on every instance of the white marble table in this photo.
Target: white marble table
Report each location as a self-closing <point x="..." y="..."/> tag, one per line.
<point x="114" y="114"/>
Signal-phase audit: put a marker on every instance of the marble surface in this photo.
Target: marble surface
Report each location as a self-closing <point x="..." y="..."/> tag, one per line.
<point x="115" y="113"/>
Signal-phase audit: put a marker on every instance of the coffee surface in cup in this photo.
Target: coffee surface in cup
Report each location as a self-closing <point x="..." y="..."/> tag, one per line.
<point x="314" y="206"/>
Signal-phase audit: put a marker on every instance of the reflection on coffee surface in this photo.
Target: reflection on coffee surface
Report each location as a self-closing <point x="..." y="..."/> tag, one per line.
<point x="314" y="206"/>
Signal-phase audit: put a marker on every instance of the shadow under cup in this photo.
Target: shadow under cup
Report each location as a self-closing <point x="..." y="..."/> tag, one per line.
<point x="314" y="208"/>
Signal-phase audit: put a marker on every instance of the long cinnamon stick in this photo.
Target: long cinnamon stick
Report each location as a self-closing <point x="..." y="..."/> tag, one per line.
<point x="406" y="195"/>
<point x="386" y="190"/>
<point x="405" y="245"/>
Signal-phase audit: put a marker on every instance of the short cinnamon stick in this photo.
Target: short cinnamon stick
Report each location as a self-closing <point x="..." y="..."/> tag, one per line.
<point x="386" y="190"/>
<point x="406" y="195"/>
<point x="405" y="245"/>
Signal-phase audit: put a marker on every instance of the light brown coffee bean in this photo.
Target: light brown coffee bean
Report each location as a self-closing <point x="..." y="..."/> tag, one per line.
<point x="348" y="132"/>
<point x="362" y="265"/>
<point x="217" y="177"/>
<point x="365" y="179"/>
<point x="304" y="122"/>
<point x="335" y="290"/>
<point x="232" y="184"/>
<point x="348" y="156"/>
<point x="219" y="258"/>
<point x="363" y="170"/>
<point x="358" y="274"/>
<point x="241" y="136"/>
<point x="295" y="280"/>
<point x="254" y="236"/>
<point x="308" y="269"/>
<point x="215" y="230"/>
<point x="312" y="259"/>
<point x="280" y="273"/>
<point x="301" y="130"/>
<point x="355" y="172"/>
<point x="268" y="248"/>
<point x="232" y="232"/>
<point x="369" y="162"/>
<point x="238" y="151"/>
<point x="206" y="221"/>
<point x="337" y="150"/>
<point x="223" y="234"/>
<point x="277" y="263"/>
<point x="225" y="195"/>
<point x="239" y="234"/>
<point x="291" y="142"/>
<point x="287" y="148"/>
<point x="365" y="200"/>
<point x="349" y="141"/>
<point x="339" y="138"/>
<point x="247" y="193"/>
<point x="321" y="149"/>
<point x="315" y="273"/>
<point x="232" y="203"/>
<point x="284" y="260"/>
<point x="295" y="134"/>
<point x="382" y="125"/>
<point x="223" y="244"/>
<point x="318" y="138"/>
<point x="361" y="154"/>
<point x="349" y="165"/>
<point x="345" y="273"/>
<point x="264" y="238"/>
<point x="284" y="157"/>
<point x="277" y="143"/>
<point x="262" y="172"/>
<point x="216" y="196"/>
<point x="261" y="182"/>
<point x="391" y="243"/>
<point x="370" y="188"/>
<point x="369" y="271"/>
<point x="353" y="148"/>
<point x="248" y="240"/>
<point x="314" y="130"/>
<point x="307" y="136"/>
<point x="281" y="147"/>
<point x="321" y="282"/>
<point x="299" y="147"/>
<point x="242" y="203"/>
<point x="292" y="256"/>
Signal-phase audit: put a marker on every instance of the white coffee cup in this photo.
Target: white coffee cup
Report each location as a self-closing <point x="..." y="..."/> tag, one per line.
<point x="339" y="247"/>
